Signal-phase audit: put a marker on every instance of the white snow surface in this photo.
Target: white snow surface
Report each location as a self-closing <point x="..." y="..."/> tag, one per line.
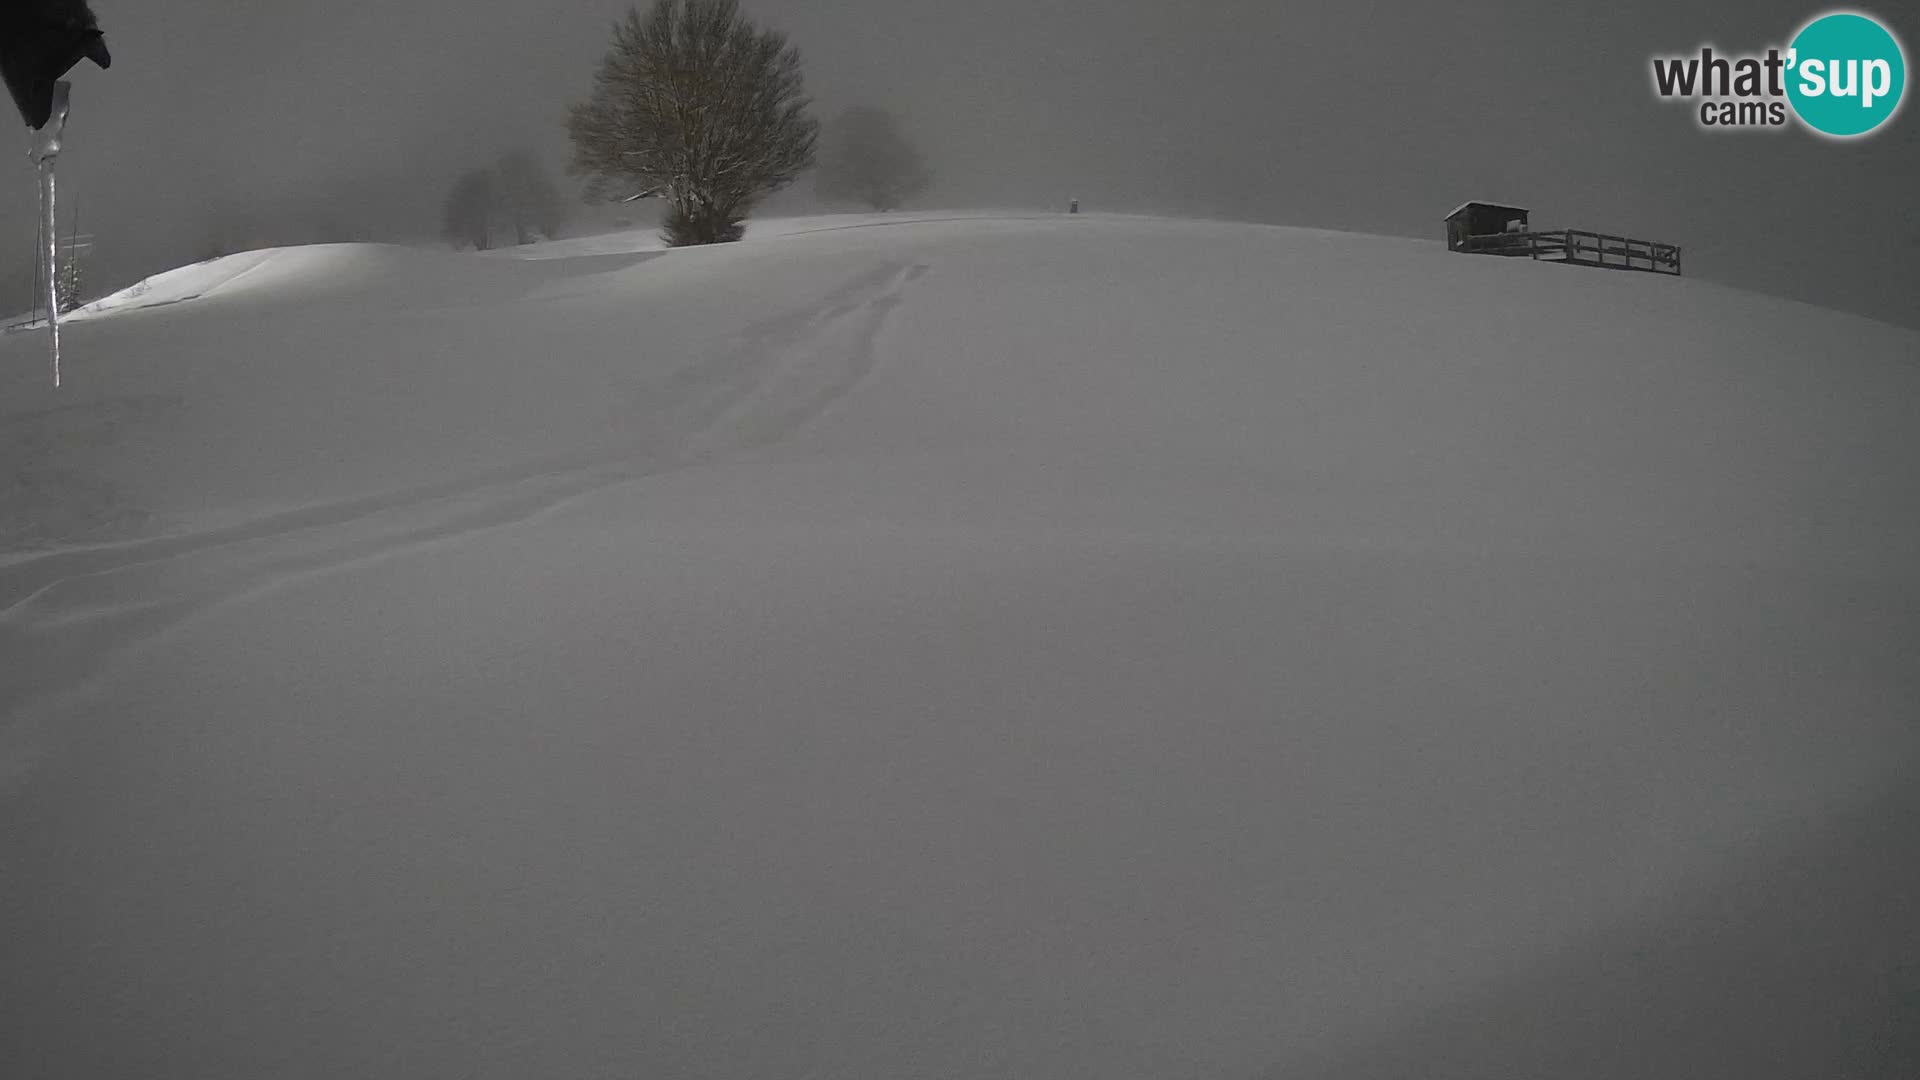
<point x="958" y="645"/>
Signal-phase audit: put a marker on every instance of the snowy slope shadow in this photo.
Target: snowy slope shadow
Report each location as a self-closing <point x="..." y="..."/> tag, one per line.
<point x="64" y="615"/>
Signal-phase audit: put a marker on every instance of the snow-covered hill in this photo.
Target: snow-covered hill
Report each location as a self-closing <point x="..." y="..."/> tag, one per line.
<point x="979" y="645"/>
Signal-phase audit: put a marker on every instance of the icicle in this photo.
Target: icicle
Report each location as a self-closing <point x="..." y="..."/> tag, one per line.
<point x="39" y="258"/>
<point x="53" y="262"/>
<point x="46" y="148"/>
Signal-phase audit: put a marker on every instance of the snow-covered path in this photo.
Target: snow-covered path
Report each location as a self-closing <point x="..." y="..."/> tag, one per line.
<point x="981" y="647"/>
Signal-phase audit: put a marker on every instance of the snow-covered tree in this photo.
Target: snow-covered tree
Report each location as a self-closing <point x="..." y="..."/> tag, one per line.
<point x="72" y="281"/>
<point x="695" y="102"/>
<point x="866" y="159"/>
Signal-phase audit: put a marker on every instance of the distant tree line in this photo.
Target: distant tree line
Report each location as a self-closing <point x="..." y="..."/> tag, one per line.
<point x="514" y="198"/>
<point x="694" y="105"/>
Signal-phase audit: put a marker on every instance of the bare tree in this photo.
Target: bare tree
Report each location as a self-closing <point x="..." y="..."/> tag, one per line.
<point x="468" y="218"/>
<point x="868" y="160"/>
<point x="694" y="103"/>
<point x="527" y="197"/>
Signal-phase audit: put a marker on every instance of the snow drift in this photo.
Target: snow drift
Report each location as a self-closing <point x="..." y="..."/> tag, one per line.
<point x="985" y="646"/>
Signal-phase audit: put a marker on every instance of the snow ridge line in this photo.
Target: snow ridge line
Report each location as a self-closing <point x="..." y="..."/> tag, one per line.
<point x="126" y="300"/>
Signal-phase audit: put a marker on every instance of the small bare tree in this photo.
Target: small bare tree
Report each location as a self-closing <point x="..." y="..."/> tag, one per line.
<point x="699" y="106"/>
<point x="867" y="160"/>
<point x="468" y="218"/>
<point x="527" y="198"/>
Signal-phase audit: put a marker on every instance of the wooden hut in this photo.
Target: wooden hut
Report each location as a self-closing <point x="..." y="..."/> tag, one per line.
<point x="1483" y="219"/>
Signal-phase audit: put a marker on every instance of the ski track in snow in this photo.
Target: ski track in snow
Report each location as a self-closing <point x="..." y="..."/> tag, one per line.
<point x="63" y="619"/>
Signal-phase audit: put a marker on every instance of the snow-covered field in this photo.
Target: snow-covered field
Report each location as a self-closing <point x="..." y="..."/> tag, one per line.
<point x="976" y="646"/>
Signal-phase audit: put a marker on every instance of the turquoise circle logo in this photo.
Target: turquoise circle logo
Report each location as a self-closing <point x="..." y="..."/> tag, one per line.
<point x="1848" y="75"/>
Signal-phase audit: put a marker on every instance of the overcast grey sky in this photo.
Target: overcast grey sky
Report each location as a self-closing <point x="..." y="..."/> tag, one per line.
<point x="1356" y="114"/>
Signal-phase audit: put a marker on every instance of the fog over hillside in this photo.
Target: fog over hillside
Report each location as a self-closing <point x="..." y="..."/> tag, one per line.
<point x="945" y="644"/>
<point x="300" y="122"/>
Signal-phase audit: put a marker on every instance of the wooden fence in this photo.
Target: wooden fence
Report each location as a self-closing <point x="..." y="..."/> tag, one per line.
<point x="1580" y="248"/>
